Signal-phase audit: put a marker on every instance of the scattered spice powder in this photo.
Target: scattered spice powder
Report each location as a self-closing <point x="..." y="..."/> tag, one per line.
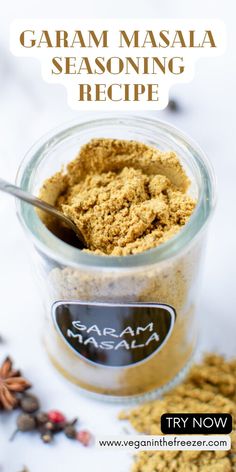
<point x="210" y="387"/>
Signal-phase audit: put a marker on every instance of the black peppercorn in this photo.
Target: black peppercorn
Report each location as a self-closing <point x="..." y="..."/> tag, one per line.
<point x="49" y="426"/>
<point x="29" y="403"/>
<point x="70" y="431"/>
<point x="41" y="418"/>
<point x="47" y="437"/>
<point x="26" y="422"/>
<point x="173" y="105"/>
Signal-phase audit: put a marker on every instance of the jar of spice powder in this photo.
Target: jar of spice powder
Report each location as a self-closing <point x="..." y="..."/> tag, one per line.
<point x="120" y="325"/>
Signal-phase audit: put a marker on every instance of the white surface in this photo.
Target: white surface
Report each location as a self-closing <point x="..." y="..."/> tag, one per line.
<point x="28" y="108"/>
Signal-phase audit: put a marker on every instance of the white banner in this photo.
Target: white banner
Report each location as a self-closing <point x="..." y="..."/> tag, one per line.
<point x="164" y="443"/>
<point x="118" y="64"/>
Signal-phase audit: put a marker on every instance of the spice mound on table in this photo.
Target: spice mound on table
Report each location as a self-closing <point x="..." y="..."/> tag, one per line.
<point x="209" y="388"/>
<point x="124" y="196"/>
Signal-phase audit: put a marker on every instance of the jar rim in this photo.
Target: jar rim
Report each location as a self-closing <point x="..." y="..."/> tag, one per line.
<point x="57" y="249"/>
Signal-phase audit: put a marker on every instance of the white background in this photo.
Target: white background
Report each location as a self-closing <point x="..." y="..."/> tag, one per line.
<point x="28" y="108"/>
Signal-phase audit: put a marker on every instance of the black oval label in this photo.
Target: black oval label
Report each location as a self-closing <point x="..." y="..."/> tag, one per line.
<point x="114" y="335"/>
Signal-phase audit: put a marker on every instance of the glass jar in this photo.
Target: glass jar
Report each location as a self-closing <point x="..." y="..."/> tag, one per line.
<point x="132" y="298"/>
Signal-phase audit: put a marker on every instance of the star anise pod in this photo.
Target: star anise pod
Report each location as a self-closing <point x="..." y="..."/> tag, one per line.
<point x="11" y="383"/>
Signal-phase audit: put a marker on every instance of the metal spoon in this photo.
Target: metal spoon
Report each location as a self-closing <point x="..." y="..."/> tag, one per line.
<point x="32" y="200"/>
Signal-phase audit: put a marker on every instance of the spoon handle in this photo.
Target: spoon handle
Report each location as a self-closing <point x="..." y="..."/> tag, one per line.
<point x="36" y="202"/>
<point x="17" y="192"/>
<point x="26" y="197"/>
